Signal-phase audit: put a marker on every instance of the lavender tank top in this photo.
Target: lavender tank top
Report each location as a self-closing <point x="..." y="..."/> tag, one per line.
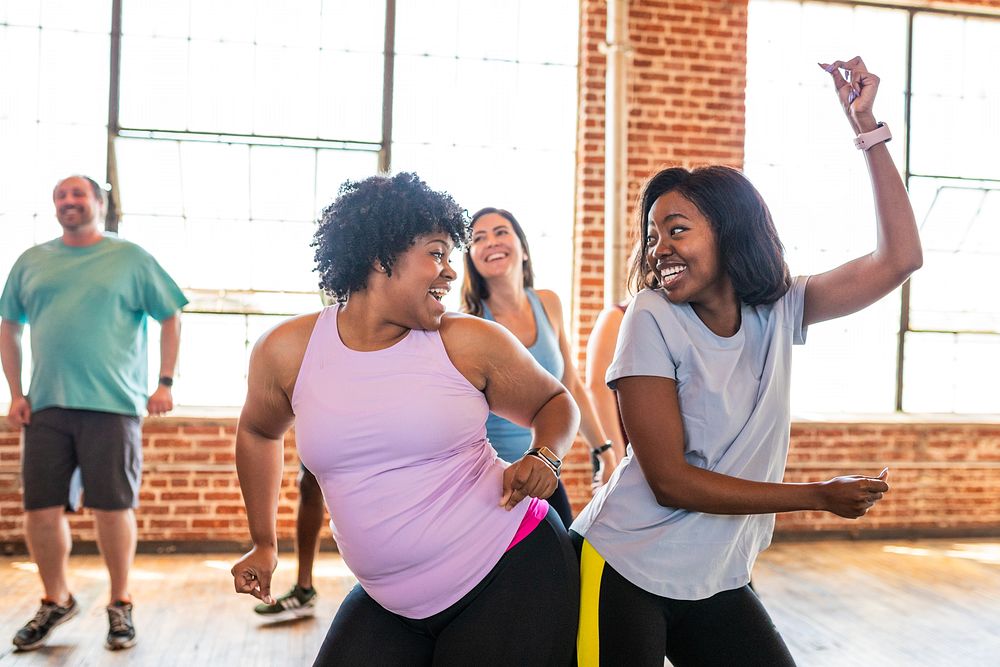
<point x="397" y="440"/>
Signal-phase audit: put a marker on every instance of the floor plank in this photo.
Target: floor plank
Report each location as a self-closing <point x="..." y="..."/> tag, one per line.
<point x="912" y="603"/>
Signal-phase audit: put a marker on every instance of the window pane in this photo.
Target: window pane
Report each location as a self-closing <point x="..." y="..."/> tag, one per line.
<point x="21" y="12"/>
<point x="828" y="220"/>
<point x="154" y="83"/>
<point x="288" y="24"/>
<point x="77" y="15"/>
<point x="353" y="26"/>
<point x="550" y="123"/>
<point x="216" y="180"/>
<point x="225" y="20"/>
<point x="285" y="91"/>
<point x="149" y="175"/>
<point x="222" y="90"/>
<point x="427" y="27"/>
<point x="162" y="18"/>
<point x="357" y="77"/>
<point x="63" y="150"/>
<point x="79" y="95"/>
<point x="212" y="361"/>
<point x="335" y="167"/>
<point x="538" y="42"/>
<point x="417" y="116"/>
<point x="282" y="183"/>
<point x="945" y="373"/>
<point x="950" y="81"/>
<point x="487" y="29"/>
<point x="166" y="239"/>
<point x="20" y="45"/>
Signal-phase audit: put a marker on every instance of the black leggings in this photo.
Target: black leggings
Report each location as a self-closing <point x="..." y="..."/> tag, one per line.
<point x="559" y="501"/>
<point x="621" y="624"/>
<point x="524" y="612"/>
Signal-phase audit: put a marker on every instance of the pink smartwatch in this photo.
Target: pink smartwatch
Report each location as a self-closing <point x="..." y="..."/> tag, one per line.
<point x="866" y="140"/>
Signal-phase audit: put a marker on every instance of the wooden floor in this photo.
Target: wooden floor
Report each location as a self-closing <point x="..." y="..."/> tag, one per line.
<point x="932" y="602"/>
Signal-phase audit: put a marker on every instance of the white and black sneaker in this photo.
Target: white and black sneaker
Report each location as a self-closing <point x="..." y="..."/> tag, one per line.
<point x="121" y="631"/>
<point x="49" y="615"/>
<point x="296" y="603"/>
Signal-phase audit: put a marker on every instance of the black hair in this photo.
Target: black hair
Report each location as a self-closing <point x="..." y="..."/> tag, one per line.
<point x="748" y="243"/>
<point x="474" y="288"/>
<point x="376" y="220"/>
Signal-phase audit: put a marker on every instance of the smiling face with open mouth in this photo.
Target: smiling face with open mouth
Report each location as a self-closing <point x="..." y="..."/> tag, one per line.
<point x="76" y="204"/>
<point x="421" y="278"/>
<point x="682" y="250"/>
<point x="495" y="249"/>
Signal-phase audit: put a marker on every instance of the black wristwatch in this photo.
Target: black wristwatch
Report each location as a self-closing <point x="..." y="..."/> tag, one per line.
<point x="166" y="381"/>
<point x="597" y="451"/>
<point x="547" y="455"/>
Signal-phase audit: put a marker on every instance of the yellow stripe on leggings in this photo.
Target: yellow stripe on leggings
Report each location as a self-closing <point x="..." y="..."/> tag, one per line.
<point x="588" y="641"/>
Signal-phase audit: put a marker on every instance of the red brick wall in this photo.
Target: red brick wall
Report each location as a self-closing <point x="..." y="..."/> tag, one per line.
<point x="945" y="478"/>
<point x="190" y="492"/>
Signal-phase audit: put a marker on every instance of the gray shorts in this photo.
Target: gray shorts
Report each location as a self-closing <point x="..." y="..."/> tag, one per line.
<point x="64" y="449"/>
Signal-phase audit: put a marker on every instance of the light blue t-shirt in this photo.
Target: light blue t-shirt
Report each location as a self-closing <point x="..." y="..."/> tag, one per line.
<point x="510" y="440"/>
<point x="734" y="400"/>
<point x="87" y="308"/>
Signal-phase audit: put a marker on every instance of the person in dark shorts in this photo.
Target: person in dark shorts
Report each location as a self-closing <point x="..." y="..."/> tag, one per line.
<point x="86" y="296"/>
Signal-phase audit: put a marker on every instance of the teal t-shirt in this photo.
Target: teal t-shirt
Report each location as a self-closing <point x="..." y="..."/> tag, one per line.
<point x="87" y="309"/>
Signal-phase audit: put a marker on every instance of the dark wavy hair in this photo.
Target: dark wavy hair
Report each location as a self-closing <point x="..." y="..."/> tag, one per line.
<point x="376" y="220"/>
<point x="474" y="288"/>
<point x="748" y="243"/>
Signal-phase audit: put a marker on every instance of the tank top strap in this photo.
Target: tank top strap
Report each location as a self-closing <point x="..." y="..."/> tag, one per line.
<point x="487" y="313"/>
<point x="541" y="317"/>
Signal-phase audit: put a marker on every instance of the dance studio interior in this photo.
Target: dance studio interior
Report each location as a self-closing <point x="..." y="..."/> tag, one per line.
<point x="220" y="133"/>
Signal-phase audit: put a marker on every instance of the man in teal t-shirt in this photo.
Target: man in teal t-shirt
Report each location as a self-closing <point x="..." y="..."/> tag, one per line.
<point x="86" y="297"/>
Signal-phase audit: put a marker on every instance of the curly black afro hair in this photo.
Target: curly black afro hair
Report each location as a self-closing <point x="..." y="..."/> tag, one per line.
<point x="377" y="219"/>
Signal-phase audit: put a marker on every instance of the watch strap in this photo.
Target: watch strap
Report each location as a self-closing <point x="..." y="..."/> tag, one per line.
<point x="547" y="456"/>
<point x="866" y="140"/>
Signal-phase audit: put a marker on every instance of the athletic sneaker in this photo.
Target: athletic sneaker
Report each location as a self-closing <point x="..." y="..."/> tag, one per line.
<point x="296" y="603"/>
<point x="121" y="632"/>
<point x="48" y="616"/>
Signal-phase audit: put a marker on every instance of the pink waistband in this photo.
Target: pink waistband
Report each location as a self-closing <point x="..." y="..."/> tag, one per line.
<point x="537" y="509"/>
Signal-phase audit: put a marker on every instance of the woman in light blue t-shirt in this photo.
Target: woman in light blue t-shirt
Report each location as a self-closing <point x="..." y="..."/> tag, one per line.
<point x="702" y="370"/>
<point x="499" y="286"/>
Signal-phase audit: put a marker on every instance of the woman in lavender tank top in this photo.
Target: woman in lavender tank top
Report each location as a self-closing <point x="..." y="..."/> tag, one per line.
<point x="457" y="554"/>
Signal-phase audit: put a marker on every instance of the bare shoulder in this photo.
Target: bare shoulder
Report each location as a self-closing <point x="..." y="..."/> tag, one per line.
<point x="460" y="331"/>
<point x="281" y="348"/>
<point x="550" y="300"/>
<point x="611" y="316"/>
<point x="553" y="307"/>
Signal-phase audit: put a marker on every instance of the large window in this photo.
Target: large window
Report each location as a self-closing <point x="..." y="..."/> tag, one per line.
<point x="233" y="124"/>
<point x="943" y="106"/>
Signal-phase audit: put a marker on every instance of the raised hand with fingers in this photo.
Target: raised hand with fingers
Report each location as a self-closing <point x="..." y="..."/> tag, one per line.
<point x="853" y="495"/>
<point x="856" y="91"/>
<point x="252" y="573"/>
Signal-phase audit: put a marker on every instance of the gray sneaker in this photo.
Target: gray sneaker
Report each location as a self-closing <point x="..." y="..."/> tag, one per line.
<point x="121" y="632"/>
<point x="296" y="603"/>
<point x="49" y="615"/>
